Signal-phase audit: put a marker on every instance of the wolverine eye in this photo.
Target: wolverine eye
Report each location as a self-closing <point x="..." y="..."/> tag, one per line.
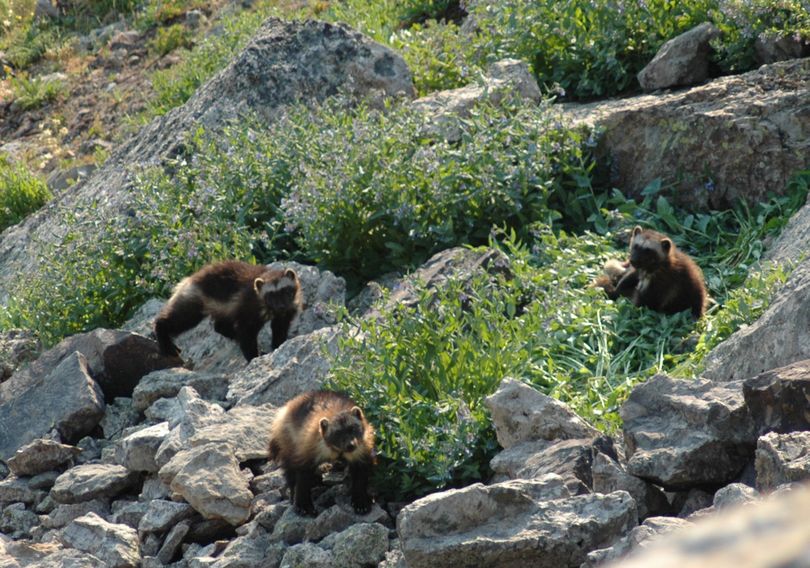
<point x="351" y="446"/>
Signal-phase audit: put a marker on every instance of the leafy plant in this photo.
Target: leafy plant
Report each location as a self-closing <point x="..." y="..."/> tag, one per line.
<point x="21" y="193"/>
<point x="31" y="93"/>
<point x="168" y="39"/>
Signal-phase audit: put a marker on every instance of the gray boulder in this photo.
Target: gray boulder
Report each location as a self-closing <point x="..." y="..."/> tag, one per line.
<point x="172" y="542"/>
<point x="733" y="495"/>
<point x="162" y="515"/>
<point x="193" y="413"/>
<point x="362" y="544"/>
<point x="245" y="429"/>
<point x="40" y="456"/>
<point x="681" y="61"/>
<point x="609" y="475"/>
<point x="115" y="545"/>
<point x="770" y="48"/>
<point x="119" y="416"/>
<point x="136" y="452"/>
<point x="21" y="554"/>
<point x="777" y="399"/>
<point x="761" y="117"/>
<point x="778" y="338"/>
<point x="510" y="525"/>
<point x="502" y="80"/>
<point x="781" y="459"/>
<point x="521" y="413"/>
<point x="306" y="555"/>
<point x="64" y="514"/>
<point x="17" y="347"/>
<point x="286" y="62"/>
<point x="639" y="537"/>
<point x="681" y="434"/>
<point x="65" y="398"/>
<point x="209" y="479"/>
<point x="92" y="481"/>
<point x="298" y="365"/>
<point x="17" y="521"/>
<point x="17" y="490"/>
<point x="168" y="382"/>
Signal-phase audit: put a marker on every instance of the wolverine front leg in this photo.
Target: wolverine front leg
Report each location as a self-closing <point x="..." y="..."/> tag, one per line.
<point x="360" y="473"/>
<point x="302" y="497"/>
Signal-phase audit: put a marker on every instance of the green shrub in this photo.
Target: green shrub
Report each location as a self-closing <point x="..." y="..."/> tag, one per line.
<point x="168" y="39"/>
<point x="21" y="193"/>
<point x="34" y="93"/>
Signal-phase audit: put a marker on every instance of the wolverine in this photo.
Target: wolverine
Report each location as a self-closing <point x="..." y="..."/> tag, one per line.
<point x="240" y="298"/>
<point x="320" y="427"/>
<point x="657" y="275"/>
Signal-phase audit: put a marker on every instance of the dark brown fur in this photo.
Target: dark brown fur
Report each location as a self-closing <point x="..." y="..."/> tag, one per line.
<point x="240" y="298"/>
<point x="659" y="276"/>
<point x="319" y="427"/>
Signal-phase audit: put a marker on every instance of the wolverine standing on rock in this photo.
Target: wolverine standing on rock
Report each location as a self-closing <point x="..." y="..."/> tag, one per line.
<point x="240" y="298"/>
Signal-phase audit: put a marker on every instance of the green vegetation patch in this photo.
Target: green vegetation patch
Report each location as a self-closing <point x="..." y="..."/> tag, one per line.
<point x="21" y="193"/>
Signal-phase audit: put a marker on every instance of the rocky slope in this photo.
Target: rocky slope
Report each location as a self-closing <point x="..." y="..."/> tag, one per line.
<point x="114" y="456"/>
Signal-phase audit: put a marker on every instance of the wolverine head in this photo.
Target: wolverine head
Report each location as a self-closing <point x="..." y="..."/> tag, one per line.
<point x="649" y="249"/>
<point x="279" y="290"/>
<point x="344" y="432"/>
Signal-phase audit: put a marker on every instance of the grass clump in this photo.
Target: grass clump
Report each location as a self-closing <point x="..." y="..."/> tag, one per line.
<point x="170" y="38"/>
<point x="32" y="93"/>
<point x="21" y="193"/>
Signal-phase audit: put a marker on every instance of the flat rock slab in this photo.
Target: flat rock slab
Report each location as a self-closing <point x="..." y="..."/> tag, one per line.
<point x="92" y="481"/>
<point x="136" y="452"/>
<point x="65" y="398"/>
<point x="510" y="525"/>
<point x="168" y="382"/>
<point x="521" y="413"/>
<point x="40" y="456"/>
<point x="246" y="429"/>
<point x="736" y="137"/>
<point x="115" y="545"/>
<point x="682" y="433"/>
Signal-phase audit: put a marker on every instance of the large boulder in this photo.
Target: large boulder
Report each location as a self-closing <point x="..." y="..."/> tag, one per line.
<point x="511" y="525"/>
<point x="91" y="481"/>
<point x="781" y="459"/>
<point x="285" y="63"/>
<point x="737" y="137"/>
<point x="115" y="359"/>
<point x="65" y="398"/>
<point x="777" y="399"/>
<point x="682" y="434"/>
<point x="521" y="413"/>
<point x="40" y="456"/>
<point x="681" y="61"/>
<point x="115" y="545"/>
<point x="778" y="338"/>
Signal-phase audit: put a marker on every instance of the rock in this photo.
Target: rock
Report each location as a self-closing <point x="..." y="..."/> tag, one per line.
<point x="570" y="459"/>
<point x="456" y="263"/>
<point x="172" y="543"/>
<point x="510" y="524"/>
<point x="115" y="359"/>
<point x="128" y="513"/>
<point x="781" y="459"/>
<point x="504" y="80"/>
<point x="298" y="365"/>
<point x="167" y="383"/>
<point x="609" y="475"/>
<point x="92" y="481"/>
<point x="696" y="500"/>
<point x="362" y="544"/>
<point x="681" y="434"/>
<point x="291" y="528"/>
<point x="733" y="495"/>
<point x="775" y="340"/>
<point x="681" y="61"/>
<point x="44" y="10"/>
<point x="16" y="490"/>
<point x="245" y="429"/>
<point x="153" y="488"/>
<point x="17" y="521"/>
<point x="770" y="533"/>
<point x="194" y="18"/>
<point x="777" y="398"/>
<point x="770" y="49"/>
<point x="115" y="545"/>
<point x="639" y="537"/>
<point x="162" y="515"/>
<point x="128" y="40"/>
<point x="59" y="180"/>
<point x="43" y="480"/>
<point x="737" y="137"/>
<point x="252" y="549"/>
<point x="136" y="452"/>
<point x="306" y="555"/>
<point x="119" y="416"/>
<point x="286" y="62"/>
<point x="195" y="414"/>
<point x="338" y="518"/>
<point x="521" y="413"/>
<point x="51" y="555"/>
<point x="40" y="456"/>
<point x="65" y="398"/>
<point x="64" y="514"/>
<point x="17" y="347"/>
<point x="208" y="477"/>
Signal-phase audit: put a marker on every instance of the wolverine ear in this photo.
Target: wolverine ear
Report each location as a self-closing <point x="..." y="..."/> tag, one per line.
<point x="324" y="425"/>
<point x="290" y="273"/>
<point x="666" y="245"/>
<point x="257" y="285"/>
<point x="636" y="230"/>
<point x="357" y="412"/>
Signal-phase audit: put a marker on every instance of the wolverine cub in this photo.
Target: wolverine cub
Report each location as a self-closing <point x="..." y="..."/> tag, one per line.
<point x="319" y="427"/>
<point x="657" y="275"/>
<point x="240" y="298"/>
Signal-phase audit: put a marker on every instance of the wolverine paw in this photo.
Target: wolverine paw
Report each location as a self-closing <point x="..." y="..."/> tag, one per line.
<point x="361" y="506"/>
